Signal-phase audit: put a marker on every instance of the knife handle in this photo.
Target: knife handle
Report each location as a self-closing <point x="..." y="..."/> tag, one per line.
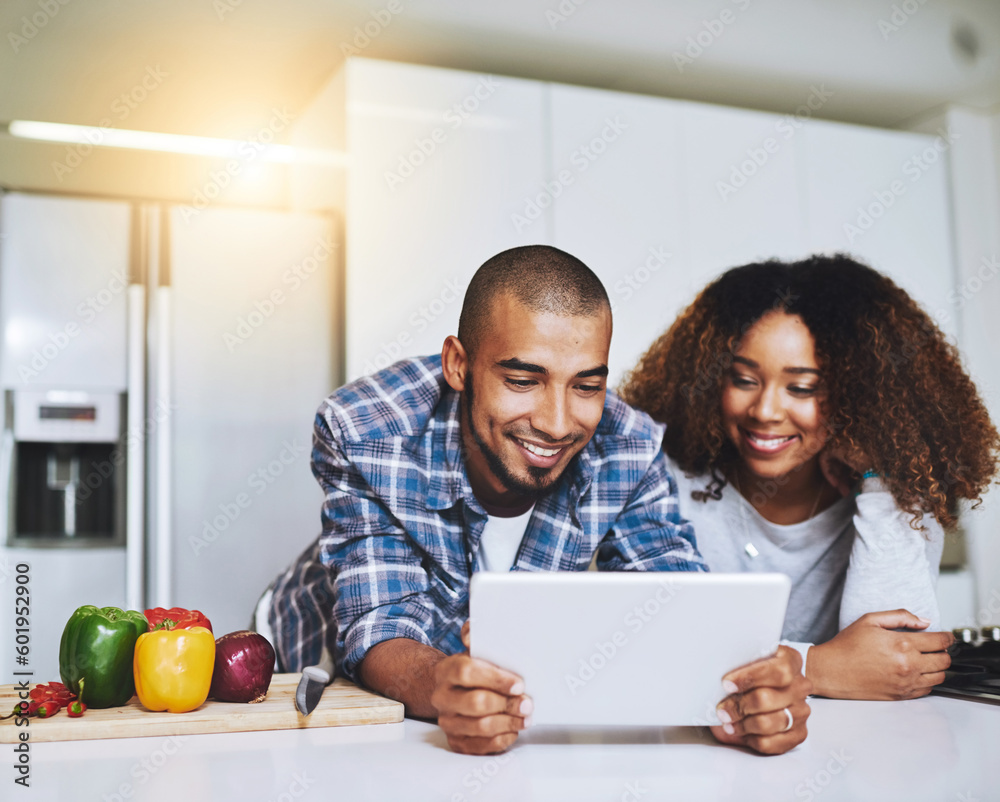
<point x="317" y="673"/>
<point x="323" y="670"/>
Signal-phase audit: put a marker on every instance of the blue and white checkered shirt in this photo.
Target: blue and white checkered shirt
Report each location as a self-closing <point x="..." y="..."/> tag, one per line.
<point x="401" y="526"/>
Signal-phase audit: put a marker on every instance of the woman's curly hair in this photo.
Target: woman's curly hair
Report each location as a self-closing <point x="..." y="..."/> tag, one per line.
<point x="896" y="388"/>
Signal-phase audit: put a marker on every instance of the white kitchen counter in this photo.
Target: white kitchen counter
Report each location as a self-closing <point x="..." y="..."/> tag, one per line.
<point x="936" y="748"/>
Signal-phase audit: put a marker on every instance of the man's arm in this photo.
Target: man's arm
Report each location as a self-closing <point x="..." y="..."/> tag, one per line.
<point x="480" y="707"/>
<point x="386" y="613"/>
<point x="403" y="670"/>
<point x="380" y="586"/>
<point x="649" y="533"/>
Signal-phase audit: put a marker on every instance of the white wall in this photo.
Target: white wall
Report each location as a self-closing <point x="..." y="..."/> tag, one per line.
<point x="974" y="162"/>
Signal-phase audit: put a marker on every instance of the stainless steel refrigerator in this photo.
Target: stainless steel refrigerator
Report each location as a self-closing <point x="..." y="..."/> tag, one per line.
<point x="161" y="367"/>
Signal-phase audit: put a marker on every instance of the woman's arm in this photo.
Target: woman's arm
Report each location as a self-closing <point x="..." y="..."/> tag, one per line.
<point x="892" y="564"/>
<point x="893" y="569"/>
<point x="871" y="660"/>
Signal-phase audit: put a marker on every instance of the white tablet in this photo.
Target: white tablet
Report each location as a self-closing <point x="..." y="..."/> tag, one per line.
<point x="625" y="649"/>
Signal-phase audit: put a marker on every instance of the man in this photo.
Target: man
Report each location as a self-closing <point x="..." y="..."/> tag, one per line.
<point x="506" y="452"/>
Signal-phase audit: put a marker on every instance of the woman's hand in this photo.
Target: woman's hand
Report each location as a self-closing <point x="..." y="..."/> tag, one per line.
<point x="761" y="692"/>
<point x="868" y="660"/>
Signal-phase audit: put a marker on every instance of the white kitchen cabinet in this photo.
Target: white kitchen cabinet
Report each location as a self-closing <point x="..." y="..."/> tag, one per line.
<point x="442" y="162"/>
<point x="883" y="197"/>
<point x="620" y="209"/>
<point x="741" y="189"/>
<point x="447" y="168"/>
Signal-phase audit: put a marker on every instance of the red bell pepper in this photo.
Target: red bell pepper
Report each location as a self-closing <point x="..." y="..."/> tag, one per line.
<point x="176" y="618"/>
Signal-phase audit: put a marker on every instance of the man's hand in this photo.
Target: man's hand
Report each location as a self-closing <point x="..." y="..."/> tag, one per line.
<point x="481" y="707"/>
<point x="760" y="693"/>
<point x="868" y="660"/>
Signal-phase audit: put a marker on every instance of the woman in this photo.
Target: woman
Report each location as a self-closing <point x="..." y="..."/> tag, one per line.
<point x="819" y="425"/>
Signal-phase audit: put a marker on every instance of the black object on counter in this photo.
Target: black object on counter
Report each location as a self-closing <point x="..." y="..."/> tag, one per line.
<point x="975" y="664"/>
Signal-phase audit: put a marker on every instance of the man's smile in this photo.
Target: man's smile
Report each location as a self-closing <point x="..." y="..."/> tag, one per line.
<point x="539" y="456"/>
<point x="541" y="452"/>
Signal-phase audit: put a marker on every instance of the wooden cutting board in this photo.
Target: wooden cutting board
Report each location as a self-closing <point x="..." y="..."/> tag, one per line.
<point x="342" y="704"/>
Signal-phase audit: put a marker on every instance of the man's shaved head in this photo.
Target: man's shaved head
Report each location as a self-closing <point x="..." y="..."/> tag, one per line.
<point x="543" y="278"/>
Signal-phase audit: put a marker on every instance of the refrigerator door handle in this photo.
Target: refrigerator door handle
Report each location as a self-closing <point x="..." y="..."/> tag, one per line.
<point x="6" y="487"/>
<point x="164" y="449"/>
<point x="135" y="448"/>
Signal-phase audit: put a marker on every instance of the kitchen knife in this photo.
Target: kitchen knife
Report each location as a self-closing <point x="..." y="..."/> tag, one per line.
<point x="314" y="680"/>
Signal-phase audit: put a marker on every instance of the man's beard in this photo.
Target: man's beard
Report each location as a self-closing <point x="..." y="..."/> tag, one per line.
<point x="532" y="490"/>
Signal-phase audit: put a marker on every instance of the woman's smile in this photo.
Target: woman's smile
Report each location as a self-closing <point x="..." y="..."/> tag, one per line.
<point x="767" y="443"/>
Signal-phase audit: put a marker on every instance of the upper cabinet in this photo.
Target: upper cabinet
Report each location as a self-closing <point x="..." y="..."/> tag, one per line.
<point x="442" y="166"/>
<point x="741" y="188"/>
<point x="657" y="196"/>
<point x="882" y="196"/>
<point x="615" y="159"/>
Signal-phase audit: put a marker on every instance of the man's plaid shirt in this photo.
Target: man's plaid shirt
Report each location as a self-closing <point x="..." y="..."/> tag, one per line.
<point x="401" y="525"/>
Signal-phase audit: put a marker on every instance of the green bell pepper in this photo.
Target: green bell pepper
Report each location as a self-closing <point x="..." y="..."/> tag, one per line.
<point x="95" y="654"/>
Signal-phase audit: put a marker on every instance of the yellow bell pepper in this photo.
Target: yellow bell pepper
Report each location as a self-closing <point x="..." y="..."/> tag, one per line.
<point x="173" y="668"/>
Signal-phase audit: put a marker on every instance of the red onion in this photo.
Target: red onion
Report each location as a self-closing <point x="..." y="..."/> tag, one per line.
<point x="244" y="663"/>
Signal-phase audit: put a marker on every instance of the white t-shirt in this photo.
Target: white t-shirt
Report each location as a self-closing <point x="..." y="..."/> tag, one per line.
<point x="500" y="541"/>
